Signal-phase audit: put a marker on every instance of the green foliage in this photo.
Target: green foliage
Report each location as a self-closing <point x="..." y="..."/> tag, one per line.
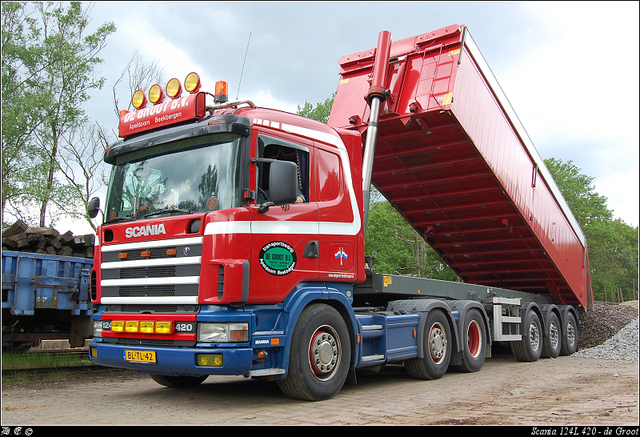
<point x="579" y="192"/>
<point x="399" y="247"/>
<point x="48" y="63"/>
<point x="320" y="112"/>
<point x="613" y="245"/>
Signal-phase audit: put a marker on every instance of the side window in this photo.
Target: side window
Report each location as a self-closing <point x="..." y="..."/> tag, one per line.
<point x="329" y="176"/>
<point x="273" y="148"/>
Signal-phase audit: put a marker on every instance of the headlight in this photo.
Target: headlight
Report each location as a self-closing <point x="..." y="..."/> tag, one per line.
<point x="223" y="332"/>
<point x="97" y="328"/>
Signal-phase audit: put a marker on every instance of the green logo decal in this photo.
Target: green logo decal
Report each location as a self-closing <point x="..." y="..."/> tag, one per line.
<point x="277" y="258"/>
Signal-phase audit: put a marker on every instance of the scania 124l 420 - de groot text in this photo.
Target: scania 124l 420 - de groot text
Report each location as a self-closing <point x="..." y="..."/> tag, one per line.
<point x="233" y="235"/>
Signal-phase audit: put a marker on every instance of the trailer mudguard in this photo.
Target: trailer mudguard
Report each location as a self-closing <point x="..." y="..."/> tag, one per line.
<point x="423" y="306"/>
<point x="547" y="310"/>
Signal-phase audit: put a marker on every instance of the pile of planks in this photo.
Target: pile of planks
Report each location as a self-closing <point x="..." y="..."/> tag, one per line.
<point x="22" y="238"/>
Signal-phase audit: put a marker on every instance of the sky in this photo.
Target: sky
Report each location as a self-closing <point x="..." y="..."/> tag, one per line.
<point x="569" y="69"/>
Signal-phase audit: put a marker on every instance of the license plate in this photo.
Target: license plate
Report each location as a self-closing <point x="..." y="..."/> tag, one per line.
<point x="139" y="356"/>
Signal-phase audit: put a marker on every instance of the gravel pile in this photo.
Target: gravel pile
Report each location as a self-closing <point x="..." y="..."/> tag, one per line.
<point x="610" y="331"/>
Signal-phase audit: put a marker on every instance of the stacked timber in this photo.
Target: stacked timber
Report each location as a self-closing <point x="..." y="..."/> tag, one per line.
<point x="22" y="238"/>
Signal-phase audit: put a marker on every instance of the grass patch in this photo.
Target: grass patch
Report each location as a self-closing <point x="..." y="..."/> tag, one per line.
<point x="38" y="360"/>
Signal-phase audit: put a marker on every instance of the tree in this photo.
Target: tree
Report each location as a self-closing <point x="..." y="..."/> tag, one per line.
<point x="579" y="192"/>
<point x="319" y="113"/>
<point x="612" y="244"/>
<point x="48" y="50"/>
<point x="140" y="75"/>
<point x="400" y="248"/>
<point x="19" y="120"/>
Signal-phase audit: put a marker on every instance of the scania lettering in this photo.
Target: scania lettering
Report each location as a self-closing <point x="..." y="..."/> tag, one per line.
<point x="144" y="231"/>
<point x="233" y="235"/>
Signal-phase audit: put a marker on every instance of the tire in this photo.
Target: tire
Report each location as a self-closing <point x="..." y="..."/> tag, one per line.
<point x="475" y="346"/>
<point x="553" y="340"/>
<point x="571" y="335"/>
<point x="529" y="348"/>
<point x="438" y="341"/>
<point x="320" y="355"/>
<point x="178" y="381"/>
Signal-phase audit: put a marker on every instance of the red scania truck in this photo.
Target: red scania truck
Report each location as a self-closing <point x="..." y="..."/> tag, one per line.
<point x="233" y="236"/>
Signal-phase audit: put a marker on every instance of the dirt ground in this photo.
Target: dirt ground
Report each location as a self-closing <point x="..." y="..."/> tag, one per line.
<point x="561" y="391"/>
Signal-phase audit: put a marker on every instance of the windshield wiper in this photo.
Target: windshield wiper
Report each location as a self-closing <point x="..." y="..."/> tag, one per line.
<point x="118" y="220"/>
<point x="168" y="211"/>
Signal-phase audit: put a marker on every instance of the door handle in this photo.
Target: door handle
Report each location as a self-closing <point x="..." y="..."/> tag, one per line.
<point x="311" y="250"/>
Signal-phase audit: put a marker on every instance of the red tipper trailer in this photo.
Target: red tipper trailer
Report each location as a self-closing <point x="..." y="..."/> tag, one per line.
<point x="455" y="161"/>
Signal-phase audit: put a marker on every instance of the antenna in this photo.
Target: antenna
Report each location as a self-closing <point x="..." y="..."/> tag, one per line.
<point x="243" y="62"/>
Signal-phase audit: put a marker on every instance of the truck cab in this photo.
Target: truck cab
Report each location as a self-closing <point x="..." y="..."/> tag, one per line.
<point x="211" y="224"/>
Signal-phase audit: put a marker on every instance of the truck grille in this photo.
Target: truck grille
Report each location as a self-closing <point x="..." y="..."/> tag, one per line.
<point x="163" y="272"/>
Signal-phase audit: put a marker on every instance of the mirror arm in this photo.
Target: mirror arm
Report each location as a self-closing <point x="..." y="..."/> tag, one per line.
<point x="265" y="206"/>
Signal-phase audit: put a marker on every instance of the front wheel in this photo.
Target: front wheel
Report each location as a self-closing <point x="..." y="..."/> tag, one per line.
<point x="320" y="355"/>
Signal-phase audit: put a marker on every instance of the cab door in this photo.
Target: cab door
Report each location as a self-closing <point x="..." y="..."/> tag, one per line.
<point x="284" y="239"/>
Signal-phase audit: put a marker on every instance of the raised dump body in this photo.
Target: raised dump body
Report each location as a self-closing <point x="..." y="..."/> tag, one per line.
<point x="454" y="160"/>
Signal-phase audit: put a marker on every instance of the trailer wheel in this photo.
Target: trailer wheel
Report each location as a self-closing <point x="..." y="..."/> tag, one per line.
<point x="320" y="355"/>
<point x="475" y="348"/>
<point x="552" y="341"/>
<point x="530" y="347"/>
<point x="571" y="335"/>
<point x="178" y="381"/>
<point x="437" y="349"/>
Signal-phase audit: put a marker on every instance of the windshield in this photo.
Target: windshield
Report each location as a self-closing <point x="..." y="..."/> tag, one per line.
<point x="188" y="176"/>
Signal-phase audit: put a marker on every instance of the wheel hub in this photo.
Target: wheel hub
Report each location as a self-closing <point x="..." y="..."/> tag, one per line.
<point x="323" y="353"/>
<point x="437" y="342"/>
<point x="554" y="335"/>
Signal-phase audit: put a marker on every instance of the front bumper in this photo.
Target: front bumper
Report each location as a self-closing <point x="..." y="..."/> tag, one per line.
<point x="173" y="361"/>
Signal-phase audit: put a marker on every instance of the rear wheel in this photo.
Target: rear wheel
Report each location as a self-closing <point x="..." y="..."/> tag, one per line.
<point x="571" y="335"/>
<point x="530" y="347"/>
<point x="320" y="355"/>
<point x="178" y="381"/>
<point x="437" y="349"/>
<point x="552" y="341"/>
<point x="475" y="348"/>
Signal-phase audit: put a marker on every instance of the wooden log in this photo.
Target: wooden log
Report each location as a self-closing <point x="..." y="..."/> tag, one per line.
<point x="20" y="237"/>
<point x="17" y="228"/>
<point x="49" y="232"/>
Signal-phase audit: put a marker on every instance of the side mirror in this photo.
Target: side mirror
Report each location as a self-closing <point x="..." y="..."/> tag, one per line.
<point x="93" y="207"/>
<point x="283" y="184"/>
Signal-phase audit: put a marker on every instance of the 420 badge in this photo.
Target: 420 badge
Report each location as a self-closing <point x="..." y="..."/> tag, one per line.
<point x="278" y="258"/>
